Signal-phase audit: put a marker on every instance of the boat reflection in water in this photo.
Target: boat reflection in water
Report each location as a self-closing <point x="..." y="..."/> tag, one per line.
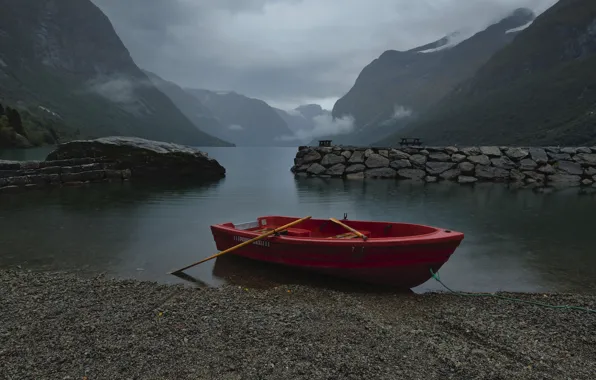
<point x="241" y="271"/>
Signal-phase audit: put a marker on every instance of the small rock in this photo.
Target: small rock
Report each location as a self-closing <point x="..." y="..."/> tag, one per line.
<point x="451" y="149"/>
<point x="376" y="161"/>
<point x="567" y="179"/>
<point x="436" y="168"/>
<point x="380" y="173"/>
<point x="359" y="175"/>
<point x="586" y="159"/>
<point x="516" y="153"/>
<point x="424" y="152"/>
<point x="411" y="173"/>
<point x="311" y="156"/>
<point x="527" y="164"/>
<point x="467" y="168"/>
<point x="439" y="156"/>
<point x="466" y="179"/>
<point x="458" y="157"/>
<point x="503" y="162"/>
<point x="357" y="157"/>
<point x="479" y="160"/>
<point x="584" y="149"/>
<point x="347" y="154"/>
<point x="398" y="154"/>
<point x="516" y="175"/>
<point x="336" y="170"/>
<point x="332" y="159"/>
<point x="539" y="155"/>
<point x="400" y="164"/>
<point x="450" y="174"/>
<point x="570" y="167"/>
<point x="384" y="153"/>
<point x="471" y="151"/>
<point x="535" y="177"/>
<point x="355" y="169"/>
<point x="587" y="182"/>
<point x="368" y="153"/>
<point x="552" y="149"/>
<point x="430" y="179"/>
<point x="547" y="169"/>
<point x="590" y="171"/>
<point x="316" y="169"/>
<point x="559" y="156"/>
<point x="569" y="150"/>
<point x="491" y="151"/>
<point x="491" y="173"/>
<point x="418" y="160"/>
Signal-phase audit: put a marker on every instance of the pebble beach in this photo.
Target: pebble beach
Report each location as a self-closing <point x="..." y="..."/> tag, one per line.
<point x="65" y="326"/>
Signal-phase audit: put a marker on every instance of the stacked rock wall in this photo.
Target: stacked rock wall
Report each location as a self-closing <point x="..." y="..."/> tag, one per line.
<point x="533" y="166"/>
<point x="76" y="171"/>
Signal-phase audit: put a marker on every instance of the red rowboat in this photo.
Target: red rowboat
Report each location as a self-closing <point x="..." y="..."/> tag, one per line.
<point x="389" y="253"/>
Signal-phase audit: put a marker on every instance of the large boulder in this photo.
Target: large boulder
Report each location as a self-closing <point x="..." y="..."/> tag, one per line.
<point x="144" y="158"/>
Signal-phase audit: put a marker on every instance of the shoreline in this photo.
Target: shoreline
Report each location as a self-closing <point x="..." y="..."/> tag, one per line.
<point x="63" y="325"/>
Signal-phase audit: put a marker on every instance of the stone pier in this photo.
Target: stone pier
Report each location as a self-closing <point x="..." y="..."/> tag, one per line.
<point x="110" y="159"/>
<point x="526" y="166"/>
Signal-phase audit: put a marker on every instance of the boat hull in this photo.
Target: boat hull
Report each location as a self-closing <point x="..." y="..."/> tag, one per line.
<point x="402" y="263"/>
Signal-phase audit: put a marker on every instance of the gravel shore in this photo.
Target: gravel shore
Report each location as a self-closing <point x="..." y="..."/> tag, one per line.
<point x="61" y="326"/>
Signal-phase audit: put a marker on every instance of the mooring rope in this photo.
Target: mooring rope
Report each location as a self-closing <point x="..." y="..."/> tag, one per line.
<point x="438" y="279"/>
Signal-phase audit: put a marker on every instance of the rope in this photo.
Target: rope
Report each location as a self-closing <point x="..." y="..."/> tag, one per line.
<point x="438" y="279"/>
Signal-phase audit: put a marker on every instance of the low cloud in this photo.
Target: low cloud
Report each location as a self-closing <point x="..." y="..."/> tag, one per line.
<point x="401" y="112"/>
<point x="117" y="88"/>
<point x="324" y="125"/>
<point x="235" y="127"/>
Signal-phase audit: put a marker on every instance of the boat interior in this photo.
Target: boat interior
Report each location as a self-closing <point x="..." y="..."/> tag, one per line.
<point x="327" y="229"/>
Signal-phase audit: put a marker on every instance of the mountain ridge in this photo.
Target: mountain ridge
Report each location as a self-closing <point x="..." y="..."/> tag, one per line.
<point x="403" y="84"/>
<point x="66" y="57"/>
<point x="540" y="89"/>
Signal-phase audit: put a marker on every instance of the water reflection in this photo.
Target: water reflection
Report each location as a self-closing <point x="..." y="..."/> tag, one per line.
<point x="515" y="240"/>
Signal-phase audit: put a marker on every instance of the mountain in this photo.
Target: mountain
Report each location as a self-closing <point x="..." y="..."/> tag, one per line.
<point x="190" y="106"/>
<point x="246" y="121"/>
<point x="400" y="85"/>
<point x="65" y="56"/>
<point x="302" y="118"/>
<point x="539" y="90"/>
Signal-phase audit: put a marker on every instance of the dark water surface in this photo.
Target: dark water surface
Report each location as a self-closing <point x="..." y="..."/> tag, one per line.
<point x="515" y="240"/>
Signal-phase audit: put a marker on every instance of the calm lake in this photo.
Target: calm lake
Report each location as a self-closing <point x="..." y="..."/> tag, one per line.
<point x="515" y="240"/>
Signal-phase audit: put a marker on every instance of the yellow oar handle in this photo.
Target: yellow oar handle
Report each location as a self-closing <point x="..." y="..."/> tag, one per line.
<point x="364" y="237"/>
<point x="278" y="229"/>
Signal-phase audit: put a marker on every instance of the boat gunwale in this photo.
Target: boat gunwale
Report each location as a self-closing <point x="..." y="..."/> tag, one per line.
<point x="439" y="235"/>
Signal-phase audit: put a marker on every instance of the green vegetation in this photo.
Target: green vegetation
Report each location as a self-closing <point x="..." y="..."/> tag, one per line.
<point x="23" y="129"/>
<point x="66" y="57"/>
<point x="539" y="90"/>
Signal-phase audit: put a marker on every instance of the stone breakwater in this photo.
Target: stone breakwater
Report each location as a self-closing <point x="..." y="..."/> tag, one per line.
<point x="77" y="171"/>
<point x="532" y="166"/>
<point x="111" y="159"/>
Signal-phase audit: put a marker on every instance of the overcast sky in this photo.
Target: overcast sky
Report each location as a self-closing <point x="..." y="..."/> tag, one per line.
<point x="286" y="52"/>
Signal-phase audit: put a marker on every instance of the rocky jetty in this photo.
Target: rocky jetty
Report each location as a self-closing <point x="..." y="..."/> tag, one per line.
<point x="110" y="159"/>
<point x="525" y="166"/>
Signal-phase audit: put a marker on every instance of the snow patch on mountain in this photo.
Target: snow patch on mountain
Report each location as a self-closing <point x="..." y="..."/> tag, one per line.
<point x="453" y="39"/>
<point x="520" y="28"/>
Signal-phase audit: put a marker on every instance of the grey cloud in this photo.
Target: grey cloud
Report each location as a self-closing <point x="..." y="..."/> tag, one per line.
<point x="286" y="51"/>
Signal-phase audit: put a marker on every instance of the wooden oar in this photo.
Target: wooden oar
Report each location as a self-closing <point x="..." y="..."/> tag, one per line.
<point x="278" y="229"/>
<point x="364" y="237"/>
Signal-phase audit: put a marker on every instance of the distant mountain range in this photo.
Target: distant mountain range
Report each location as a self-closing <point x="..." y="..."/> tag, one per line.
<point x="401" y="85"/>
<point x="538" y="90"/>
<point x="65" y="58"/>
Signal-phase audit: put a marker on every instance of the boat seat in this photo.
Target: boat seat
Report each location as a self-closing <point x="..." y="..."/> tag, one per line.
<point x="350" y="235"/>
<point x="288" y="232"/>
